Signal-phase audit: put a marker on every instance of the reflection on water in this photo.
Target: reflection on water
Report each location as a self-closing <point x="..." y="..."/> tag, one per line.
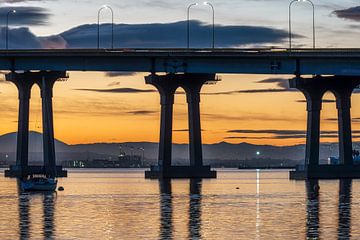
<point x="123" y="205"/>
<point x="313" y="209"/>
<point x="48" y="207"/>
<point x="194" y="211"/>
<point x="166" y="209"/>
<point x="344" y="228"/>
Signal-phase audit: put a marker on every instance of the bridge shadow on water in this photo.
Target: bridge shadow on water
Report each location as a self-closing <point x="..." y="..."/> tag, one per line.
<point x="48" y="208"/>
<point x="166" y="208"/>
<point x="313" y="209"/>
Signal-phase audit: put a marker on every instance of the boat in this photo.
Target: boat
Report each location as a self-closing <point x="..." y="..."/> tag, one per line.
<point x="39" y="184"/>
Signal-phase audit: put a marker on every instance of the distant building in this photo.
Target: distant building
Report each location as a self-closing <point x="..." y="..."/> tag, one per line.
<point x="122" y="161"/>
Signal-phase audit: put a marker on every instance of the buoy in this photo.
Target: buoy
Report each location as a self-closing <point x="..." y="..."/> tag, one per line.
<point x="61" y="188"/>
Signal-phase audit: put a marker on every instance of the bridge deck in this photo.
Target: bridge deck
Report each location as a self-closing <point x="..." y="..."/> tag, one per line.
<point x="247" y="61"/>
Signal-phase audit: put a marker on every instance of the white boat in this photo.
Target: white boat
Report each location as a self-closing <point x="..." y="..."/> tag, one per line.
<point x="39" y="184"/>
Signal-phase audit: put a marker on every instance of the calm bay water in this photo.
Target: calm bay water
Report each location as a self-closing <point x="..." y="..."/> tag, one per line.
<point x="117" y="204"/>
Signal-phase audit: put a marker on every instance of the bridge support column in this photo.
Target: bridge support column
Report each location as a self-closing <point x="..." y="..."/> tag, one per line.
<point x="24" y="82"/>
<point x="24" y="86"/>
<point x="314" y="89"/>
<point x="192" y="89"/>
<point x="46" y="83"/>
<point x="167" y="86"/>
<point x="343" y="105"/>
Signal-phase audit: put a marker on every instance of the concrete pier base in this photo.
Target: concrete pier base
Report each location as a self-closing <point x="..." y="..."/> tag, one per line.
<point x="180" y="172"/>
<point x="19" y="171"/>
<point x="327" y="172"/>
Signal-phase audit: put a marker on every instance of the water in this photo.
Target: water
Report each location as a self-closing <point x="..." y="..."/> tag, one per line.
<point x="119" y="204"/>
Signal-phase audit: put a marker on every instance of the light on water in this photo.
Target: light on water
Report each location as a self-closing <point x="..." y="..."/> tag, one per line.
<point x="238" y="205"/>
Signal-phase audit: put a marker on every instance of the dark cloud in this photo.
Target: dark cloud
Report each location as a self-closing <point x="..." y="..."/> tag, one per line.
<point x="355" y="120"/>
<point x="20" y="38"/>
<point x="349" y="13"/>
<point x="143" y="112"/>
<point x="171" y="35"/>
<point x="166" y="35"/>
<point x="184" y="130"/>
<point x="282" y="134"/>
<point x="25" y="16"/>
<point x="281" y="83"/>
<point x="118" y="90"/>
<point x="269" y="131"/>
<point x="284" y="137"/>
<point x="119" y="74"/>
<point x="324" y="101"/>
<point x="270" y="90"/>
<point x="112" y="84"/>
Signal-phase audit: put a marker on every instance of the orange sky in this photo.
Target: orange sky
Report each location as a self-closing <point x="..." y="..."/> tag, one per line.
<point x="83" y="117"/>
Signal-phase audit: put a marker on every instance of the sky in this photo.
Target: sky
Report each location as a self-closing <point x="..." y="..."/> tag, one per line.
<point x="119" y="107"/>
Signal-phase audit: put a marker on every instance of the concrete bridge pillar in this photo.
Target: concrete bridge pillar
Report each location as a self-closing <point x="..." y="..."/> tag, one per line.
<point x="167" y="85"/>
<point x="24" y="82"/>
<point x="343" y="105"/>
<point x="167" y="92"/>
<point x="314" y="89"/>
<point x="46" y="83"/>
<point x="313" y="92"/>
<point x="24" y="86"/>
<point x="192" y="89"/>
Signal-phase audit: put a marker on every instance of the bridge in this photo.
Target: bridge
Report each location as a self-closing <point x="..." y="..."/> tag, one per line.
<point x="336" y="70"/>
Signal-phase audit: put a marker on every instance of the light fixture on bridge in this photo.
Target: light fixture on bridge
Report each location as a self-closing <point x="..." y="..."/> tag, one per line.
<point x="188" y="23"/>
<point x="213" y="22"/>
<point x="13" y="11"/>
<point x="107" y="7"/>
<point x="313" y="8"/>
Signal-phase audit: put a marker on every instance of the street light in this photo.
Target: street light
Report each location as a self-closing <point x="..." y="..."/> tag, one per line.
<point x="112" y="26"/>
<point x="188" y="23"/>
<point x="213" y="23"/>
<point x="7" y="26"/>
<point x="313" y="7"/>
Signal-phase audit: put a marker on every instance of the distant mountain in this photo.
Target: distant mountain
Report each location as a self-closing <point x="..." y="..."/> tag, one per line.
<point x="219" y="152"/>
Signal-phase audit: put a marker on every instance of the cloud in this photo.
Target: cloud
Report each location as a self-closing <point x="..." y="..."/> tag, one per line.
<point x="154" y="35"/>
<point x="355" y="120"/>
<point x="282" y="134"/>
<point x="324" y="101"/>
<point x="270" y="90"/>
<point x="352" y="13"/>
<point x="184" y="130"/>
<point x="281" y="83"/>
<point x="285" y="137"/>
<point x="142" y="112"/>
<point x="20" y="38"/>
<point x="28" y="16"/>
<point x="118" y="90"/>
<point x="112" y="84"/>
<point x="119" y="74"/>
<point x="171" y="35"/>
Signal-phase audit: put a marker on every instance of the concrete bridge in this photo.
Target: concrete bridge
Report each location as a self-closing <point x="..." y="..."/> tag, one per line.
<point x="336" y="70"/>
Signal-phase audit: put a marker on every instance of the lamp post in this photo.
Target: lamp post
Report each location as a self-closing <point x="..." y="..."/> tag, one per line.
<point x="112" y="26"/>
<point x="213" y="23"/>
<point x="313" y="8"/>
<point x="188" y="23"/>
<point x="7" y="26"/>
